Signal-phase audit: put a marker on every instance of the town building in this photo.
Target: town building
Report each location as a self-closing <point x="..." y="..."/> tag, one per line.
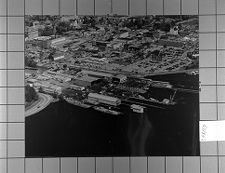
<point x="58" y="56"/>
<point x="32" y="33"/>
<point x="174" y="30"/>
<point x="57" y="76"/>
<point x="47" y="88"/>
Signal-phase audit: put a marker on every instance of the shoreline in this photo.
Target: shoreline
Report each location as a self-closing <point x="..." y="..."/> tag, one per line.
<point x="43" y="101"/>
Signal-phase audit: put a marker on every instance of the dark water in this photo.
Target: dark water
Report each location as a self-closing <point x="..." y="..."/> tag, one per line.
<point x="63" y="129"/>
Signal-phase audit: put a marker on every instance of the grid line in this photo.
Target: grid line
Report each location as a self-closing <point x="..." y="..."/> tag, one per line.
<point x="217" y="143"/>
<point x="7" y="149"/>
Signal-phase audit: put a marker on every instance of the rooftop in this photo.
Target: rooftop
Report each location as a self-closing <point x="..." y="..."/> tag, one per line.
<point x="86" y="78"/>
<point x="96" y="73"/>
<point x="100" y="96"/>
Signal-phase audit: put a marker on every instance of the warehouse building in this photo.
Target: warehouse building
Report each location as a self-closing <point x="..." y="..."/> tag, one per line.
<point x="97" y="74"/>
<point x="57" y="42"/>
<point x="76" y="87"/>
<point x="120" y="78"/>
<point x="58" y="56"/>
<point x="85" y="80"/>
<point x="47" y="88"/>
<point x="172" y="43"/>
<point x="94" y="97"/>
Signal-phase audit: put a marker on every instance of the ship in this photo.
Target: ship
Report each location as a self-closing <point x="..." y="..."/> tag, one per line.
<point x="105" y="110"/>
<point x="165" y="103"/>
<point x="77" y="103"/>
<point x="137" y="108"/>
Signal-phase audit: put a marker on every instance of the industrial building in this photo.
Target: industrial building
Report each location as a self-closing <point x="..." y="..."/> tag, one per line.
<point x="57" y="76"/>
<point x="58" y="56"/>
<point x="97" y="74"/>
<point x="48" y="88"/>
<point x="94" y="97"/>
<point x="93" y="60"/>
<point x="62" y="78"/>
<point x="172" y="43"/>
<point x="85" y="80"/>
<point x="76" y="87"/>
<point x="58" y="42"/>
<point x="120" y="78"/>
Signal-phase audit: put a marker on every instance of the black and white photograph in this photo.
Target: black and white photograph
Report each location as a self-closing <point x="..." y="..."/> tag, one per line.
<point x="99" y="86"/>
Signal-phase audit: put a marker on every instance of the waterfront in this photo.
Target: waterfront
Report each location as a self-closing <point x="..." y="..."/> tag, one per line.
<point x="63" y="129"/>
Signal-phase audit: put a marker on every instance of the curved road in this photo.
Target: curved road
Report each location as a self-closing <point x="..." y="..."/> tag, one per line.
<point x="43" y="102"/>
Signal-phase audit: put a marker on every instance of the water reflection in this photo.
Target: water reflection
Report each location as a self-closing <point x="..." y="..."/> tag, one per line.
<point x="138" y="133"/>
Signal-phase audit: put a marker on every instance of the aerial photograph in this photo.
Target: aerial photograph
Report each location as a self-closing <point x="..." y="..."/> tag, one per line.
<point x="111" y="86"/>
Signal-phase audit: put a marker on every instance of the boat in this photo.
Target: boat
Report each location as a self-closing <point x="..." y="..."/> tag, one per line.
<point x="165" y="103"/>
<point x="55" y="100"/>
<point x="151" y="100"/>
<point x="77" y="103"/>
<point x="137" y="108"/>
<point x="105" y="110"/>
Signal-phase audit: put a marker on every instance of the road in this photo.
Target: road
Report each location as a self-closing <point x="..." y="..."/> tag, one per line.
<point x="172" y="72"/>
<point x="138" y="75"/>
<point x="43" y="102"/>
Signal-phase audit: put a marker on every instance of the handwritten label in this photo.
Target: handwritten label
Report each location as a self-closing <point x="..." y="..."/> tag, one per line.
<point x="212" y="131"/>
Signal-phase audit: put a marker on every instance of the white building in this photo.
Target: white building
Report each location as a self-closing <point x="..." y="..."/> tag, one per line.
<point x="94" y="97"/>
<point x="58" y="56"/>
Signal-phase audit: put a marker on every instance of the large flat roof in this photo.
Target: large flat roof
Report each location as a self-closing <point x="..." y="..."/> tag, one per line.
<point x="104" y="97"/>
<point x="97" y="73"/>
<point x="86" y="78"/>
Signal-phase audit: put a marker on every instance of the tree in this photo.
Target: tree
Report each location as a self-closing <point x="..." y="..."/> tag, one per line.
<point x="30" y="62"/>
<point x="50" y="57"/>
<point x="30" y="94"/>
<point x="62" y="27"/>
<point x="189" y="54"/>
<point x="165" y="27"/>
<point x="47" y="31"/>
<point x="64" y="66"/>
<point x="41" y="90"/>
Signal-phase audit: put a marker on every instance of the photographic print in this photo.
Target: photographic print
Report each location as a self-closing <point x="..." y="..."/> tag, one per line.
<point x="111" y="86"/>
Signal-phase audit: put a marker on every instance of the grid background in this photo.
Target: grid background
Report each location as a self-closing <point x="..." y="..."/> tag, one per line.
<point x="212" y="76"/>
